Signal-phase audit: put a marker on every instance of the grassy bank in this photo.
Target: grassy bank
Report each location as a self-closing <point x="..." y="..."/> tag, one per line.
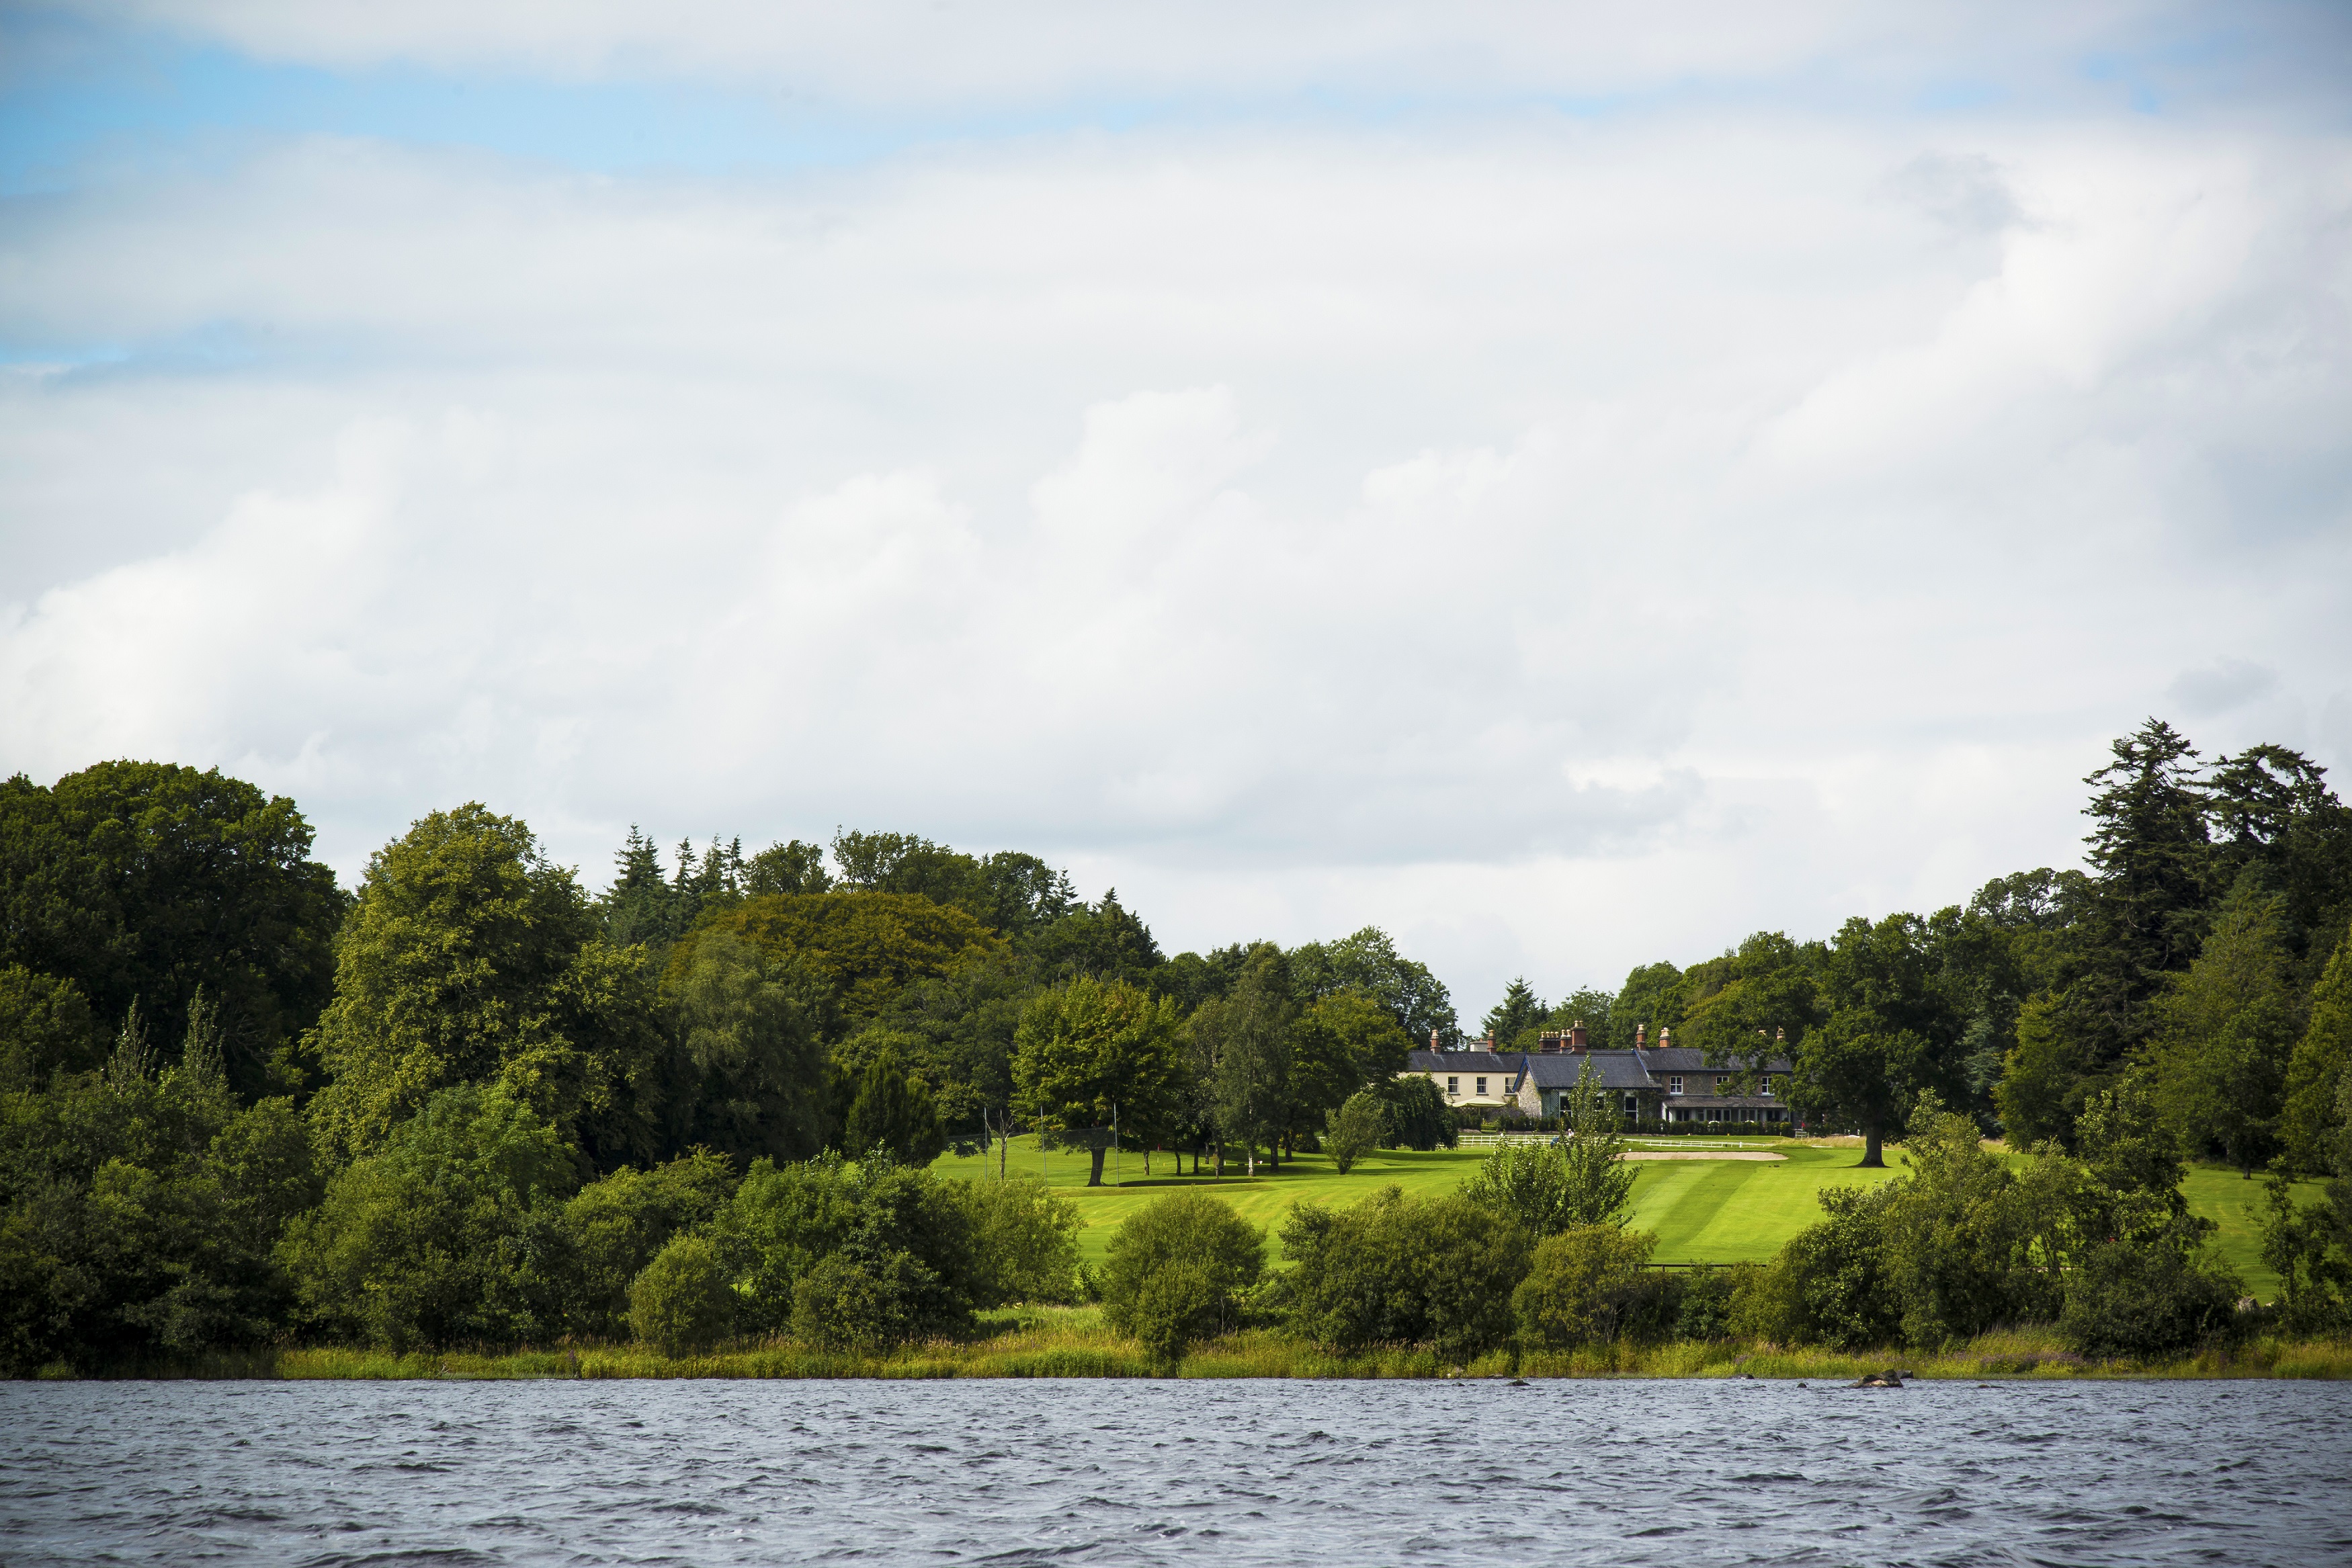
<point x="1072" y="1342"/>
<point x="1702" y="1211"/>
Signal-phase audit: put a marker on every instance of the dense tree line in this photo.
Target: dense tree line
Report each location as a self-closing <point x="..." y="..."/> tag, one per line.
<point x="466" y="1099"/>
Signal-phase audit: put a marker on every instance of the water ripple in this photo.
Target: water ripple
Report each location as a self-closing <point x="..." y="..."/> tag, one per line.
<point x="1235" y="1473"/>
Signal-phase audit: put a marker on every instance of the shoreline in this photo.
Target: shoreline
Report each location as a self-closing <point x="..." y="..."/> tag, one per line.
<point x="1069" y="1343"/>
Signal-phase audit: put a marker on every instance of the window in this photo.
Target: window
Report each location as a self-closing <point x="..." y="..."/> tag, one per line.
<point x="1482" y="1086"/>
<point x="1719" y="1083"/>
<point x="1454" y="1086"/>
<point x="1673" y="1086"/>
<point x="1764" y="1086"/>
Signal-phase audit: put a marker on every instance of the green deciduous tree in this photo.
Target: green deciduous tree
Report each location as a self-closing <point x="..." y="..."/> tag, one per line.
<point x="1354" y="1130"/>
<point x="1091" y="1050"/>
<point x="682" y="1303"/>
<point x="1889" y="1035"/>
<point x="444" y="1232"/>
<point x="747" y="1075"/>
<point x="2320" y="1072"/>
<point x="2223" y="1032"/>
<point x="1242" y="1044"/>
<point x="146" y="881"/>
<point x="892" y="1115"/>
<point x="470" y="959"/>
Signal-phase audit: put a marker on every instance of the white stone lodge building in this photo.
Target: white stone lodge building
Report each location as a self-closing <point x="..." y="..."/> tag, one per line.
<point x="1663" y="1083"/>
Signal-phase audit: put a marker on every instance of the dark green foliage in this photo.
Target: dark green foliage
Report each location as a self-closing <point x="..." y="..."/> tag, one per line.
<point x="140" y="1212"/>
<point x="1369" y="963"/>
<point x="451" y="1232"/>
<point x="1957" y="1243"/>
<point x="1890" y="1035"/>
<point x="142" y="881"/>
<point x="2310" y="1247"/>
<point x="1399" y="1271"/>
<point x="46" y="1025"/>
<point x="748" y="1076"/>
<point x="1519" y="1013"/>
<point x="1652" y="997"/>
<point x="1831" y="1285"/>
<point x="1418" y="1115"/>
<point x="682" y="1303"/>
<point x="1090" y="1052"/>
<point x="1176" y="1271"/>
<point x="1240" y="1054"/>
<point x="909" y="1254"/>
<point x="615" y="1227"/>
<point x="892" y="1115"/>
<point x="1581" y="1284"/>
<point x="2149" y="1295"/>
<point x="2223" y="1032"/>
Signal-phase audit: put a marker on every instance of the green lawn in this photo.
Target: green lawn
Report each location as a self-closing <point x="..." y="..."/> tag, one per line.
<point x="1703" y="1211"/>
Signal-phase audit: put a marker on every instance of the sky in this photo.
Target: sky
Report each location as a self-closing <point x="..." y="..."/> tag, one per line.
<point x="1569" y="483"/>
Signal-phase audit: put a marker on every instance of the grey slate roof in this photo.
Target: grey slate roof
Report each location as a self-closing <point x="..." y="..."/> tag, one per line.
<point x="1619" y="1070"/>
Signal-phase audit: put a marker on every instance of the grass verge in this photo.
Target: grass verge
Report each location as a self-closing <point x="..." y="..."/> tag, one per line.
<point x="1072" y="1342"/>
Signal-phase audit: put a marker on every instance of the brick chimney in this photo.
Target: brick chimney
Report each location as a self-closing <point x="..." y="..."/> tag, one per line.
<point x="1665" y="1038"/>
<point x="1576" y="1036"/>
<point x="1641" y="1036"/>
<point x="1548" y="1042"/>
<point x="1433" y="1043"/>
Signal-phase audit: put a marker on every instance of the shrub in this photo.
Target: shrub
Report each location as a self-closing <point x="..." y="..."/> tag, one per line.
<point x="682" y="1303"/>
<point x="1393" y="1269"/>
<point x="616" y="1226"/>
<point x="861" y="1302"/>
<point x="2149" y="1297"/>
<point x="1829" y="1285"/>
<point x="1026" y="1242"/>
<point x="1354" y="1130"/>
<point x="785" y="1220"/>
<point x="1175" y="1274"/>
<point x="1581" y="1284"/>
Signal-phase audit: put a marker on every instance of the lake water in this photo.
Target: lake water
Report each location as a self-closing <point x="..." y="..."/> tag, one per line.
<point x="1229" y="1473"/>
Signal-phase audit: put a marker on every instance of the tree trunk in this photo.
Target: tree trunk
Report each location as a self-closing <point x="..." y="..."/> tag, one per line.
<point x="1872" y="1158"/>
<point x="1094" y="1176"/>
<point x="1219" y="1168"/>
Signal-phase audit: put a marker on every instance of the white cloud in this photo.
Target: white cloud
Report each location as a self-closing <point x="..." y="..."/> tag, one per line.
<point x="1563" y="544"/>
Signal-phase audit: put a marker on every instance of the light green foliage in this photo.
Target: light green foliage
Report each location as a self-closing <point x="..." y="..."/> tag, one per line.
<point x="439" y="1235"/>
<point x="146" y="882"/>
<point x="1091" y="1050"/>
<point x="1354" y="1130"/>
<point x="2039" y="1092"/>
<point x="615" y="1227"/>
<point x="751" y="1073"/>
<point x="1176" y="1272"/>
<point x="2223" y="1032"/>
<point x="1551" y="1187"/>
<point x="1026" y="1240"/>
<point x="45" y="1027"/>
<point x="1393" y="1269"/>
<point x="681" y="1303"/>
<point x="1581" y="1284"/>
<point x="1652" y="997"/>
<point x="1739" y="1003"/>
<point x="2319" y="1076"/>
<point x="467" y="960"/>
